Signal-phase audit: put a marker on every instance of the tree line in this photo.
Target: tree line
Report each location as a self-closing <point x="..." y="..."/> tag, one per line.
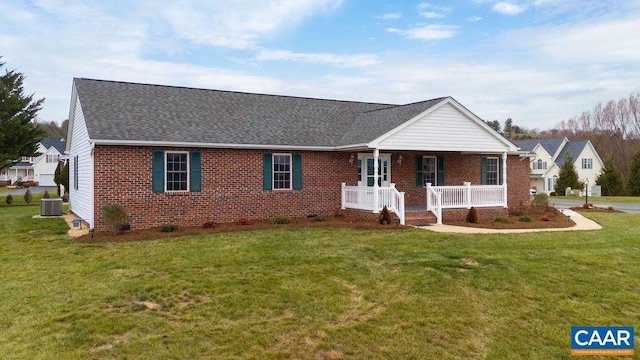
<point x="614" y="130"/>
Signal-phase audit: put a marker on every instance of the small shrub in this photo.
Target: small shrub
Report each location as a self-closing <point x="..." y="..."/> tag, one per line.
<point x="65" y="197"/>
<point x="501" y="219"/>
<point x="472" y="215"/>
<point x="385" y="216"/>
<point x="115" y="216"/>
<point x="28" y="197"/>
<point x="46" y="195"/>
<point x="587" y="206"/>
<point x="518" y="211"/>
<point x="244" y="221"/>
<point x="281" y="220"/>
<point x="525" y="218"/>
<point x="169" y="227"/>
<point x="9" y="199"/>
<point x="553" y="193"/>
<point x="540" y="201"/>
<point x="209" y="225"/>
<point x="319" y="218"/>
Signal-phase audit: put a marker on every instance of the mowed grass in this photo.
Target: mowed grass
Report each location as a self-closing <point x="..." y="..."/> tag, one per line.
<point x="602" y="199"/>
<point x="312" y="293"/>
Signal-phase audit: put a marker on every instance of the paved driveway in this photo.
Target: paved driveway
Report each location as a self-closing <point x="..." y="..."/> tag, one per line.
<point x="565" y="204"/>
<point x="35" y="189"/>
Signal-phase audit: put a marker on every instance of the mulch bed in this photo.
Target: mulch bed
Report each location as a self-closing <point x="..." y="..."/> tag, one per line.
<point x="551" y="218"/>
<point x="155" y="233"/>
<point x="592" y="208"/>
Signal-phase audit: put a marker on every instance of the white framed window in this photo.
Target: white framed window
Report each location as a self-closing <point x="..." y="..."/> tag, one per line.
<point x="539" y="165"/>
<point x="282" y="172"/>
<point x="176" y="171"/>
<point x="587" y="163"/>
<point x="430" y="170"/>
<point x="493" y="170"/>
<point x="52" y="158"/>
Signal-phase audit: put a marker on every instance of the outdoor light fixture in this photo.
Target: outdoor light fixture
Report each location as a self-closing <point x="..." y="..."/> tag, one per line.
<point x="399" y="159"/>
<point x="351" y="158"/>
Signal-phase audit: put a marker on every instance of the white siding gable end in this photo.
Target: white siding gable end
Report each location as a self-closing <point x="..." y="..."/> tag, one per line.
<point x="447" y="126"/>
<point x="80" y="147"/>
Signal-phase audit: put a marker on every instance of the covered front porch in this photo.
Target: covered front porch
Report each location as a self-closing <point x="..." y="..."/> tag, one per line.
<point x="426" y="180"/>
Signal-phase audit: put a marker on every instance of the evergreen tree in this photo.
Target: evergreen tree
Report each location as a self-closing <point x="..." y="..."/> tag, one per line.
<point x="19" y="136"/>
<point x="507" y="130"/>
<point x="495" y="125"/>
<point x="568" y="176"/>
<point x="610" y="179"/>
<point x="64" y="177"/>
<point x="633" y="185"/>
<point x="57" y="176"/>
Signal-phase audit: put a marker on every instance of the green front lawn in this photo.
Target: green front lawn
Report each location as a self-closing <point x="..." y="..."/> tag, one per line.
<point x="601" y="199"/>
<point x="312" y="293"/>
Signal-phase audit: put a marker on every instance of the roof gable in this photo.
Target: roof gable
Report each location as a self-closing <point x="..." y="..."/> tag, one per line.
<point x="550" y="145"/>
<point x="55" y="142"/>
<point x="447" y="125"/>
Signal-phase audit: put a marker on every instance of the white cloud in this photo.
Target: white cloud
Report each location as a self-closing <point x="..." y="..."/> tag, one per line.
<point x="431" y="11"/>
<point x="431" y="15"/>
<point x="345" y="60"/>
<point x="509" y="8"/>
<point x="390" y="16"/>
<point x="474" y="18"/>
<point x="234" y="23"/>
<point x="393" y="30"/>
<point x="431" y="32"/>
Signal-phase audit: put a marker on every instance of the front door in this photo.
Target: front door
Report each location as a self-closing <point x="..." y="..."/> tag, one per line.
<point x="366" y="170"/>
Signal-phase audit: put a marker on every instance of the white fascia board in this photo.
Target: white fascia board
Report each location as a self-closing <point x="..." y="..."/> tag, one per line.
<point x="72" y="112"/>
<point x="354" y="147"/>
<point x="210" y="145"/>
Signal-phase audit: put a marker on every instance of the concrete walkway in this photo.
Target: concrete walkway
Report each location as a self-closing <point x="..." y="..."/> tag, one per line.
<point x="582" y="223"/>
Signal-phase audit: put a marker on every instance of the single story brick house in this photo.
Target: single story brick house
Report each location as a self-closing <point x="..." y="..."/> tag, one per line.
<point x="188" y="156"/>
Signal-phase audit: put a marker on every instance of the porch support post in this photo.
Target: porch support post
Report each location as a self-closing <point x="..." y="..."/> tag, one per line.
<point x="504" y="178"/>
<point x="343" y="196"/>
<point x="376" y="200"/>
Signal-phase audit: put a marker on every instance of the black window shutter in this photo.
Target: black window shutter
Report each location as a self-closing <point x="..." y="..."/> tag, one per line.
<point x="267" y="172"/>
<point x="440" y="171"/>
<point x="483" y="170"/>
<point x="157" y="172"/>
<point x="297" y="171"/>
<point x="195" y="172"/>
<point x="419" y="176"/>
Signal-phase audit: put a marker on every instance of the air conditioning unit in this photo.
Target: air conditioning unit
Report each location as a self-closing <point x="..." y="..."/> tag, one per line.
<point x="51" y="207"/>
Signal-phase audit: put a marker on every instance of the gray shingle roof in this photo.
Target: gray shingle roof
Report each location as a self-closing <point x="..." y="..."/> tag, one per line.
<point x="141" y="112"/>
<point x="550" y="145"/>
<point x="573" y="148"/>
<point x="56" y="142"/>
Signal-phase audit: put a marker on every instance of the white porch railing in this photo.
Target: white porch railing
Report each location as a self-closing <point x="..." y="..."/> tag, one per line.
<point x="364" y="198"/>
<point x="465" y="196"/>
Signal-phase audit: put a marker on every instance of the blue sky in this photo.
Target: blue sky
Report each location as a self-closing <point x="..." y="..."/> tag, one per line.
<point x="535" y="61"/>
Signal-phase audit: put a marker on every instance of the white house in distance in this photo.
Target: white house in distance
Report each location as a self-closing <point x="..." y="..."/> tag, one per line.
<point x="40" y="169"/>
<point x="548" y="156"/>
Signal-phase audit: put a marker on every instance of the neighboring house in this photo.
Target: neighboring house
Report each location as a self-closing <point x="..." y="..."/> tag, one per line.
<point x="188" y="156"/>
<point x="548" y="155"/>
<point x="40" y="169"/>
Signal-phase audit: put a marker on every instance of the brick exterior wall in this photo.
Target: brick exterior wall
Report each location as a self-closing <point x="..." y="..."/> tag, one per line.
<point x="232" y="185"/>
